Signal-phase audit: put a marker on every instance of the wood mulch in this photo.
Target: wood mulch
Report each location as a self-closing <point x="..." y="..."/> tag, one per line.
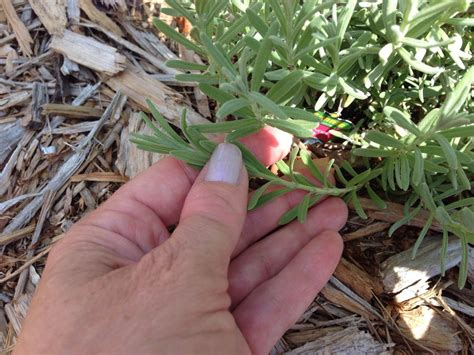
<point x="72" y="82"/>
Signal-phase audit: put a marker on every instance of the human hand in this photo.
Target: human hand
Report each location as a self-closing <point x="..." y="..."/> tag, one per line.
<point x="225" y="281"/>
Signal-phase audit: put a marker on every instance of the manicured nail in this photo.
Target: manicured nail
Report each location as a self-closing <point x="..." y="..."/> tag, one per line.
<point x="225" y="164"/>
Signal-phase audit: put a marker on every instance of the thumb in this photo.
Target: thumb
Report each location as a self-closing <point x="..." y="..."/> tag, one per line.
<point x="214" y="211"/>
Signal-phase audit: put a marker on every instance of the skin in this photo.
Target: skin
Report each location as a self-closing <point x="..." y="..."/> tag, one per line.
<point x="225" y="281"/>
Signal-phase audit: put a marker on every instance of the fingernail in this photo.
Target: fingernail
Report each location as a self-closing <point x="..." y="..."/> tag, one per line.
<point x="225" y="164"/>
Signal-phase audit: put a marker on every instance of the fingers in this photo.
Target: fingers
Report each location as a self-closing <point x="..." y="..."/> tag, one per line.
<point x="265" y="219"/>
<point x="269" y="144"/>
<point x="266" y="258"/>
<point x="214" y="211"/>
<point x="273" y="307"/>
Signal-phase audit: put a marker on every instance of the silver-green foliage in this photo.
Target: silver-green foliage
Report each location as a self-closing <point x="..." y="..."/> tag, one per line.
<point x="406" y="62"/>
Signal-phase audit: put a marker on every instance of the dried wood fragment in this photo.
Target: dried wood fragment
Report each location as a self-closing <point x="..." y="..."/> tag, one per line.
<point x="16" y="311"/>
<point x="130" y="160"/>
<point x="89" y="52"/>
<point x="10" y="135"/>
<point x="5" y="205"/>
<point x="8" y="168"/>
<point x="394" y="212"/>
<point x="358" y="280"/>
<point x="401" y="271"/>
<point x="69" y="167"/>
<point x="52" y="14"/>
<point x="140" y="86"/>
<point x="39" y="96"/>
<point x="98" y="17"/>
<point x="14" y="99"/>
<point x="17" y="235"/>
<point x="346" y="341"/>
<point x="366" y="231"/>
<point x="12" y="37"/>
<point x="430" y="329"/>
<point x="100" y="176"/>
<point x="149" y="42"/>
<point x="27" y="65"/>
<point x="157" y="62"/>
<point x="349" y="301"/>
<point x="73" y="11"/>
<point x="71" y="111"/>
<point x="21" y="32"/>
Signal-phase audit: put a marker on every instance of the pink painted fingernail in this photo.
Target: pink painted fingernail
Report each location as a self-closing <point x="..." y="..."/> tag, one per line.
<point x="225" y="164"/>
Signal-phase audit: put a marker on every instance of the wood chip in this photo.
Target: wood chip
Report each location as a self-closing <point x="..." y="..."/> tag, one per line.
<point x="369" y="230"/>
<point x="394" y="212"/>
<point x="89" y="52"/>
<point x="97" y="16"/>
<point x="130" y="160"/>
<point x="346" y="341"/>
<point x="358" y="280"/>
<point x="427" y="327"/>
<point x="52" y="14"/>
<point x="17" y="235"/>
<point x="63" y="174"/>
<point x="100" y="176"/>
<point x="401" y="271"/>
<point x="14" y="99"/>
<point x="139" y="86"/>
<point x="21" y="32"/>
<point x="71" y="111"/>
<point x="39" y="96"/>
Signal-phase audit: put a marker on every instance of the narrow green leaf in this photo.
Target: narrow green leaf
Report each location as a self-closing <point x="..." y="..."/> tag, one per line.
<point x="176" y="36"/>
<point x="303" y="207"/>
<point x="267" y="104"/>
<point x="384" y="140"/>
<point x="426" y="196"/>
<point x="182" y="64"/>
<point x="404" y="220"/>
<point x="284" y="86"/>
<point x="352" y="90"/>
<point x="444" y="251"/>
<point x="256" y="21"/>
<point x="464" y="131"/>
<point x="163" y="123"/>
<point x="461" y="203"/>
<point x="372" y="152"/>
<point x="376" y="198"/>
<point x="299" y="128"/>
<point x="242" y="132"/>
<point x="271" y="196"/>
<point x="257" y="194"/>
<point x="253" y="165"/>
<point x="402" y="119"/>
<point x="421" y="236"/>
<point x="231" y="106"/>
<point x="192" y="157"/>
<point x="205" y="78"/>
<point x="357" y="205"/>
<point x="418" y="168"/>
<point x="448" y="150"/>
<point x="308" y="162"/>
<point x="416" y="64"/>
<point x="390" y="165"/>
<point x="459" y="95"/>
<point x="218" y="57"/>
<point x="299" y="114"/>
<point x="404" y="172"/>
<point x="261" y="61"/>
<point x="227" y="126"/>
<point x="464" y="265"/>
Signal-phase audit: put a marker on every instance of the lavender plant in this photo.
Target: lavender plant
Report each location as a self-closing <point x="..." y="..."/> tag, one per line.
<point x="404" y="65"/>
